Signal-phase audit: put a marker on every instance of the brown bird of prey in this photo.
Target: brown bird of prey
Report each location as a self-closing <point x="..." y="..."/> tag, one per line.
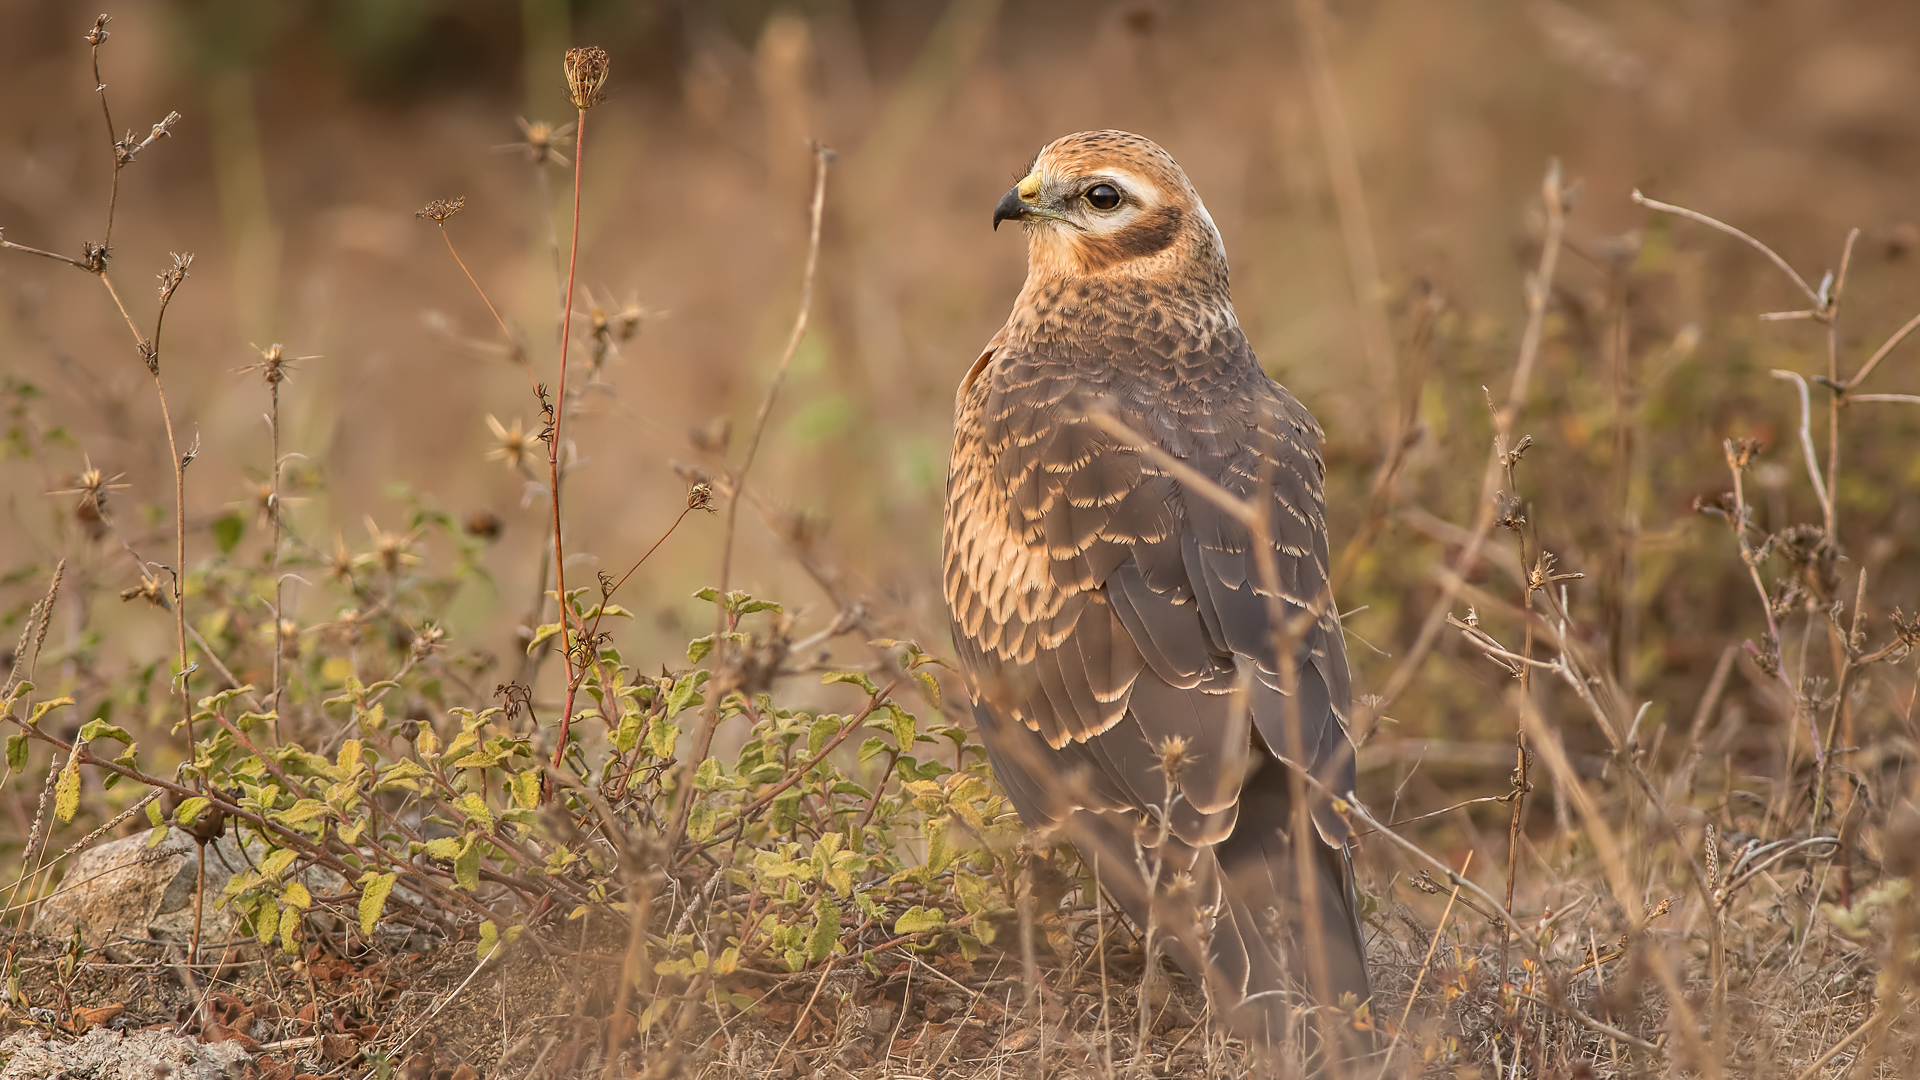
<point x="1112" y="622"/>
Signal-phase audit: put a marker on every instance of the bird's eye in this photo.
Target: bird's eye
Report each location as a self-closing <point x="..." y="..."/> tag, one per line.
<point x="1103" y="196"/>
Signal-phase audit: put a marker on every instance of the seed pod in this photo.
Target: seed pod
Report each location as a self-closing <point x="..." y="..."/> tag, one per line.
<point x="586" y="76"/>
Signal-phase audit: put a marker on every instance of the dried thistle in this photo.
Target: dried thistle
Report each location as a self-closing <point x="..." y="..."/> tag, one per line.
<point x="513" y="445"/>
<point x="1741" y="452"/>
<point x="540" y="141"/>
<point x="1174" y="758"/>
<point x="586" y="76"/>
<point x="439" y="210"/>
<point x="275" y="364"/>
<point x="93" y="487"/>
<point x="391" y="551"/>
<point x="149" y="590"/>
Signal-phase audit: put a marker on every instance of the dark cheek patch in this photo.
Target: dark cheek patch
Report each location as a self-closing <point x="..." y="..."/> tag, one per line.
<point x="1153" y="233"/>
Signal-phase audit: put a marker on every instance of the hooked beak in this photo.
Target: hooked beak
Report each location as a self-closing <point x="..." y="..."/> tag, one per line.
<point x="1009" y="208"/>
<point x="1022" y="203"/>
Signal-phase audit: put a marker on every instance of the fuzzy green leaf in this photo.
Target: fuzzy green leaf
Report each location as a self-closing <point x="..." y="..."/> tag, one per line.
<point x="100" y="729"/>
<point x="17" y="752"/>
<point x="374" y="889"/>
<point x="918" y="919"/>
<point x="66" y="790"/>
<point x="41" y="710"/>
<point x="526" y="789"/>
<point x="190" y="810"/>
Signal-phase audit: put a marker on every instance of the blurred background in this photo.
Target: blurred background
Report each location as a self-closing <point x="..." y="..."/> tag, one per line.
<point x="313" y="131"/>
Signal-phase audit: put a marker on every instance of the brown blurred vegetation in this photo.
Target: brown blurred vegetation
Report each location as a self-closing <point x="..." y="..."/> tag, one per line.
<point x="313" y="131"/>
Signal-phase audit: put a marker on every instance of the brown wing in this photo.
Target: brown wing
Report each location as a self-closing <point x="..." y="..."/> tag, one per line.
<point x="1100" y="608"/>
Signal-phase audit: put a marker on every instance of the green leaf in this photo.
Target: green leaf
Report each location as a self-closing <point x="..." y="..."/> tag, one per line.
<point x="266" y="920"/>
<point x="446" y="847"/>
<point x="826" y="929"/>
<point x="45" y="707"/>
<point x="700" y="822"/>
<point x="296" y="895"/>
<point x="545" y="632"/>
<point x="824" y="729"/>
<point x="466" y="867"/>
<point x="17" y="752"/>
<point x="918" y="919"/>
<point x="476" y="809"/>
<point x="698" y="648"/>
<point x="526" y="789"/>
<point x="858" y="678"/>
<point x="929" y="685"/>
<point x="66" y="791"/>
<point x="661" y="735"/>
<point x="489" y="939"/>
<point x="276" y="864"/>
<point x="303" y="811"/>
<point x="707" y="775"/>
<point x="100" y="729"/>
<point x="684" y="692"/>
<point x="628" y="735"/>
<point x="154" y="815"/>
<point x="190" y="810"/>
<point x="871" y="749"/>
<point x="374" y="889"/>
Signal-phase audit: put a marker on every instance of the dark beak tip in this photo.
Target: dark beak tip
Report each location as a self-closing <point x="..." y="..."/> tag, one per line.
<point x="1009" y="208"/>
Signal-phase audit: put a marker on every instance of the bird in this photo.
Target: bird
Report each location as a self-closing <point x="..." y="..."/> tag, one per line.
<point x="1111" y="613"/>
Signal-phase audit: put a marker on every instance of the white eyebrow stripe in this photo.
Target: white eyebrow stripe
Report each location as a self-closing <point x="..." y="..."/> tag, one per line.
<point x="1129" y="182"/>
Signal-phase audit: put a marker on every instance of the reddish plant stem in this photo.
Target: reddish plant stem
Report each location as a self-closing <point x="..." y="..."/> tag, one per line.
<point x="553" y="447"/>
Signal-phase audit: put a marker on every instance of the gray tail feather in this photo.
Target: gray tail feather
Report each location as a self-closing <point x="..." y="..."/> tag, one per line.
<point x="1257" y="965"/>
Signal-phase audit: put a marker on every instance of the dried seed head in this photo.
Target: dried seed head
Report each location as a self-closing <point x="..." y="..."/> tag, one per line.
<point x="700" y="497"/>
<point x="391" y="551"/>
<point x="1174" y="757"/>
<point x="586" y="76"/>
<point x="148" y="590"/>
<point x="98" y="35"/>
<point x="512" y="445"/>
<point x="439" y="210"/>
<point x="427" y="639"/>
<point x="484" y="524"/>
<point x="541" y="142"/>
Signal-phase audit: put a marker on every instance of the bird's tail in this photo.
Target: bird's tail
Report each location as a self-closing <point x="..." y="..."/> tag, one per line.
<point x="1272" y="946"/>
<point x="1284" y="940"/>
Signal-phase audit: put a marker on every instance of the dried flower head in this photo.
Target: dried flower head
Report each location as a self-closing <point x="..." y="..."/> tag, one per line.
<point x="513" y="445"/>
<point x="340" y="561"/>
<point x="700" y="497"/>
<point x="93" y="487"/>
<point x="541" y="142"/>
<point x="427" y="639"/>
<point x="439" y="210"/>
<point x="391" y="551"/>
<point x="586" y="76"/>
<point x="98" y="36"/>
<point x="149" y="590"/>
<point x="1174" y="757"/>
<point x="484" y="524"/>
<point x="609" y="327"/>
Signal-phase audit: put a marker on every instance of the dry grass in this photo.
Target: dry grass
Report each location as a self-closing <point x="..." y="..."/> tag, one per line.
<point x="1627" y="568"/>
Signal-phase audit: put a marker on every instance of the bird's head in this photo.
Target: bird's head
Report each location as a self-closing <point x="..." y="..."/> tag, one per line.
<point x="1111" y="202"/>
